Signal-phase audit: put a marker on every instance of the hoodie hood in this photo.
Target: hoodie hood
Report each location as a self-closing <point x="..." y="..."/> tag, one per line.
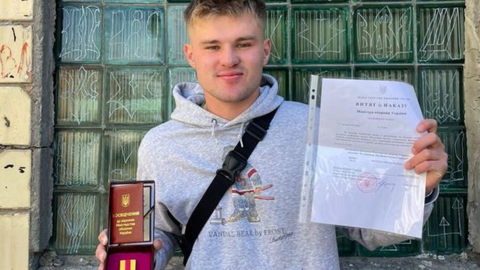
<point x="189" y="97"/>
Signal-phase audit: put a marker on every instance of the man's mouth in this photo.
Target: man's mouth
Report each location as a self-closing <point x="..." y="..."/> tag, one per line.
<point x="229" y="74"/>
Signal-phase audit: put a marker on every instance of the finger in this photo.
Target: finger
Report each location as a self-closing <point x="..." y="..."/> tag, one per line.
<point x="426" y="155"/>
<point x="429" y="125"/>
<point x="100" y="253"/>
<point x="430" y="140"/>
<point x="103" y="238"/>
<point x="158" y="244"/>
<point x="431" y="166"/>
<point x="101" y="266"/>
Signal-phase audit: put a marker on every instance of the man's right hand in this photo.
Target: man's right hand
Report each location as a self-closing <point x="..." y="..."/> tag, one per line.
<point x="101" y="252"/>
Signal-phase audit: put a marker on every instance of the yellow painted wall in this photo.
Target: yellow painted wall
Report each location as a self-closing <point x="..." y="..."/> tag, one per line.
<point x="15" y="172"/>
<point x="15" y="111"/>
<point x="15" y="121"/>
<point x="14" y="231"/>
<point x="16" y="9"/>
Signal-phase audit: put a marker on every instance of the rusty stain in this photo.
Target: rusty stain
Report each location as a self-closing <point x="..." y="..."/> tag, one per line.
<point x="7" y="122"/>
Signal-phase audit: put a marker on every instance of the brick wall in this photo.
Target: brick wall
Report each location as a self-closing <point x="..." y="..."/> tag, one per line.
<point x="26" y="130"/>
<point x="15" y="157"/>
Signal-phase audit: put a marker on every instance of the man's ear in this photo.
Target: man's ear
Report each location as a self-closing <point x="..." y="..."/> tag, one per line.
<point x="188" y="51"/>
<point x="267" y="45"/>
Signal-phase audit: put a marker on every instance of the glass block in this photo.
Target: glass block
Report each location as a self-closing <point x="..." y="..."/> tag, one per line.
<point x="446" y="229"/>
<point x="78" y="158"/>
<point x="122" y="148"/>
<point x="301" y="80"/>
<point x="276" y="31"/>
<point x="103" y="210"/>
<point x="79" y="94"/>
<point x="454" y="139"/>
<point x="320" y="35"/>
<point x="135" y="1"/>
<point x="383" y="34"/>
<point x="136" y="96"/>
<point x="318" y="1"/>
<point x="178" y="75"/>
<point x="81" y="0"/>
<point x="281" y="74"/>
<point x="81" y="35"/>
<point x="387" y="74"/>
<point x="176" y="35"/>
<point x="182" y="74"/>
<point x="77" y="223"/>
<point x="407" y="248"/>
<point x="441" y="34"/>
<point x="346" y="247"/>
<point x="134" y="35"/>
<point x="440" y="1"/>
<point x="441" y="94"/>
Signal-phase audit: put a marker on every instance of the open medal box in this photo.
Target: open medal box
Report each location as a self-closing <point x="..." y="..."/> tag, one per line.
<point x="131" y="225"/>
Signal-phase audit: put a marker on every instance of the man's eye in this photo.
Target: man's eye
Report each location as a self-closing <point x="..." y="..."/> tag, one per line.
<point x="243" y="45"/>
<point x="213" y="48"/>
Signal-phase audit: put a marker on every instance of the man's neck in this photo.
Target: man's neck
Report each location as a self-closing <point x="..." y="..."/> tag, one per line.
<point x="226" y="110"/>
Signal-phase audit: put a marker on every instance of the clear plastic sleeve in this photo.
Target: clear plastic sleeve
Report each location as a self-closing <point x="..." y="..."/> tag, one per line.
<point x="356" y="148"/>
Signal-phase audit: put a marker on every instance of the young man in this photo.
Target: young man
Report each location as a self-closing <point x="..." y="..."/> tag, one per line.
<point x="261" y="231"/>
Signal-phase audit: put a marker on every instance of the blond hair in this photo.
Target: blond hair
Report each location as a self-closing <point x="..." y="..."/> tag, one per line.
<point x="201" y="9"/>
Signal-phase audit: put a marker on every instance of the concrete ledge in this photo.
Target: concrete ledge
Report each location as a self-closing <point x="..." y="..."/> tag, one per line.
<point x="464" y="261"/>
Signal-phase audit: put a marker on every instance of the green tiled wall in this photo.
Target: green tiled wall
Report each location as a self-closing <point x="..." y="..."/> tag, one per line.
<point x="117" y="61"/>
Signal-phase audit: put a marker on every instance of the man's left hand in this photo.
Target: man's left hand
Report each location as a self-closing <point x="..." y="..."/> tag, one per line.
<point x="429" y="155"/>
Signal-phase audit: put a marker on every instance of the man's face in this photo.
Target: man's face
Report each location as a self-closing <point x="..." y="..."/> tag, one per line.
<point x="228" y="54"/>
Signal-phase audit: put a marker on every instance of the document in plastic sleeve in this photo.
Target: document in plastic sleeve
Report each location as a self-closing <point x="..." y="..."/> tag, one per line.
<point x="357" y="147"/>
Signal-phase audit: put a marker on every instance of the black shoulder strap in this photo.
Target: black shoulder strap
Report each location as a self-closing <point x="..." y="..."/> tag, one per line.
<point x="233" y="164"/>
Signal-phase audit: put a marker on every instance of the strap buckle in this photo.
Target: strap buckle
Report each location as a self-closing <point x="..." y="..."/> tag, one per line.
<point x="256" y="131"/>
<point x="233" y="164"/>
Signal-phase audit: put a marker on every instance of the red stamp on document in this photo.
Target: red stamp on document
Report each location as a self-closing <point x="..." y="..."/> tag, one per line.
<point x="367" y="182"/>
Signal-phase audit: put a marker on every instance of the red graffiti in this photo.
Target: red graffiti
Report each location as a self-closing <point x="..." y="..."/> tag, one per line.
<point x="24" y="61"/>
<point x="7" y="62"/>
<point x="9" y="68"/>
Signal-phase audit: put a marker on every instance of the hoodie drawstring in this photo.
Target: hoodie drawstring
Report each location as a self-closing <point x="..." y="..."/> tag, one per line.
<point x="214" y="125"/>
<point x="240" y="134"/>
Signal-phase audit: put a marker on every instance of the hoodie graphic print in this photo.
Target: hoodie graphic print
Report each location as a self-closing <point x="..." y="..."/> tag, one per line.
<point x="245" y="191"/>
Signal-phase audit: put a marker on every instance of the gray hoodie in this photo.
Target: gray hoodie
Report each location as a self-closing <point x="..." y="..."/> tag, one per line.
<point x="256" y="224"/>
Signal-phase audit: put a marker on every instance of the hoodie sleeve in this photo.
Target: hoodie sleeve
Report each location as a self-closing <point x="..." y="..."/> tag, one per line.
<point x="372" y="239"/>
<point x="164" y="255"/>
<point x="164" y="225"/>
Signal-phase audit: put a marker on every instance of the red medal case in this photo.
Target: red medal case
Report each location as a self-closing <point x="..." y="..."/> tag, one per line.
<point x="131" y="225"/>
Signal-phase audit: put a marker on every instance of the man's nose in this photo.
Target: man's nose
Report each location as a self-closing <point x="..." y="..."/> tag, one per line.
<point x="229" y="57"/>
